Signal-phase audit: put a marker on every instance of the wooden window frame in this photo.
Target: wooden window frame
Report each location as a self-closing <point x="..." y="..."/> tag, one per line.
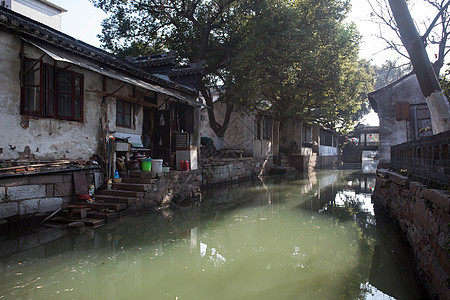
<point x="49" y="93"/>
<point x="123" y="113"/>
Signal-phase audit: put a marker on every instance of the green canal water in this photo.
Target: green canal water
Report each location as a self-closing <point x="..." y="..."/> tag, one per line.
<point x="309" y="237"/>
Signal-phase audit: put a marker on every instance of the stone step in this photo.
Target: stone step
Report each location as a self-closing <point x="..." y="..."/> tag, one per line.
<point x="139" y="180"/>
<point x="142" y="174"/>
<point x="132" y="187"/>
<point x="115" y="199"/>
<point x="119" y="193"/>
<point x="102" y="205"/>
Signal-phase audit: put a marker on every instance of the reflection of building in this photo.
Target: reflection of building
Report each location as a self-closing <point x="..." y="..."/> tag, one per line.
<point x="403" y="114"/>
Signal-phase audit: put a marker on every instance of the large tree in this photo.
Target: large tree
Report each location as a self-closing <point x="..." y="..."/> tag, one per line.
<point x="429" y="84"/>
<point x="297" y="56"/>
<point x="199" y="30"/>
<point x="435" y="30"/>
<point x="301" y="58"/>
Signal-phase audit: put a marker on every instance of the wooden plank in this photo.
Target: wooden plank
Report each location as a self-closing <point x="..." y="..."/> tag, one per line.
<point x="112" y="206"/>
<point x="79" y="180"/>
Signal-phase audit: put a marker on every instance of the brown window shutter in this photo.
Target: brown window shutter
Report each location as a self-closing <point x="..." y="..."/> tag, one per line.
<point x="402" y="111"/>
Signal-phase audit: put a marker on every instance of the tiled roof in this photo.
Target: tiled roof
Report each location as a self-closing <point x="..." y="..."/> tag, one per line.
<point x="27" y="27"/>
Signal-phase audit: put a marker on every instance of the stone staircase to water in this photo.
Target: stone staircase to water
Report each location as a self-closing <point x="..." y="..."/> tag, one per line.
<point x="124" y="199"/>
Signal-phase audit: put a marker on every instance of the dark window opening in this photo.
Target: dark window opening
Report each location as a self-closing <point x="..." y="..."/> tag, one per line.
<point x="123" y="114"/>
<point x="267" y="128"/>
<point x="257" y="128"/>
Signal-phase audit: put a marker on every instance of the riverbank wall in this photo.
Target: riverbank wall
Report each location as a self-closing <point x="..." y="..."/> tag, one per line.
<point x="37" y="194"/>
<point x="28" y="198"/>
<point x="423" y="214"/>
<point x="216" y="171"/>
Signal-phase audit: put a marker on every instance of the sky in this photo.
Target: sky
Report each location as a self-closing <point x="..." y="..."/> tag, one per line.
<point x="83" y="21"/>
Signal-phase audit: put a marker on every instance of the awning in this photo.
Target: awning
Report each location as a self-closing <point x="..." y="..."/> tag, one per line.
<point x="67" y="58"/>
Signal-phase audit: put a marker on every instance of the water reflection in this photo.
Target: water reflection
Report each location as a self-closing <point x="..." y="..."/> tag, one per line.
<point x="311" y="237"/>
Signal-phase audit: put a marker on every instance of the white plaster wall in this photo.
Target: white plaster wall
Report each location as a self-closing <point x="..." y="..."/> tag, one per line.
<point x="50" y="138"/>
<point x="327" y="151"/>
<point x="239" y="135"/>
<point x="393" y="132"/>
<point x="38" y="11"/>
<point x="111" y="104"/>
<point x="291" y="131"/>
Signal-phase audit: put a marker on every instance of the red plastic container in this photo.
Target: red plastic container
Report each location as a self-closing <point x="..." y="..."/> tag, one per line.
<point x="186" y="165"/>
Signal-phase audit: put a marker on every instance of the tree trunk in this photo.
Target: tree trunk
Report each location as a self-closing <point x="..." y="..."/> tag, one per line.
<point x="219" y="129"/>
<point x="429" y="84"/>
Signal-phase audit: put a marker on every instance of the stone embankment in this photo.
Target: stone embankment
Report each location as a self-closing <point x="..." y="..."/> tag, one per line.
<point x="36" y="195"/>
<point x="225" y="170"/>
<point x="423" y="214"/>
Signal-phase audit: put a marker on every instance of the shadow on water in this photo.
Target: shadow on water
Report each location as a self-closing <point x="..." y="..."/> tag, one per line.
<point x="313" y="236"/>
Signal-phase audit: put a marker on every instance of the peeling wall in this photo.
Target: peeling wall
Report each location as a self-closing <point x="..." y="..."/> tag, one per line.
<point x="48" y="138"/>
<point x="240" y="133"/>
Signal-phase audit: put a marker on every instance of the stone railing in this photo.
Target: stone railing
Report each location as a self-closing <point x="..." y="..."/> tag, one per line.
<point x="426" y="159"/>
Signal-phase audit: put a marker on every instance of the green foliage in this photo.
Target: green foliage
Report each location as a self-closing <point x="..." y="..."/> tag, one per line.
<point x="302" y="59"/>
<point x="296" y="56"/>
<point x="445" y="83"/>
<point x="6" y="198"/>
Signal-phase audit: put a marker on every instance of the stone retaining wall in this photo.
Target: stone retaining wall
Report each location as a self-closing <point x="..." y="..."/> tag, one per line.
<point x="225" y="170"/>
<point x="38" y="194"/>
<point x="423" y="215"/>
<point x="168" y="188"/>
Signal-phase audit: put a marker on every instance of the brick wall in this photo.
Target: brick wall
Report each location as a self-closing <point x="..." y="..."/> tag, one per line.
<point x="427" y="159"/>
<point x="423" y="214"/>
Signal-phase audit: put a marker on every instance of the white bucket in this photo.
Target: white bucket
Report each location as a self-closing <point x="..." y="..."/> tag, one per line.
<point x="157" y="165"/>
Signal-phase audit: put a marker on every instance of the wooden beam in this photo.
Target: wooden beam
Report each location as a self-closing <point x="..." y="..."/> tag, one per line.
<point x="124" y="98"/>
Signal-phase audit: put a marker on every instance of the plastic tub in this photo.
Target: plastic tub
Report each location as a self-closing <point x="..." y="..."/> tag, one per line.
<point x="146" y="164"/>
<point x="157" y="165"/>
<point x="165" y="169"/>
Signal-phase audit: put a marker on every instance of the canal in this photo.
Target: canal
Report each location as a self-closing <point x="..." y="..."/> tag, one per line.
<point x="307" y="237"/>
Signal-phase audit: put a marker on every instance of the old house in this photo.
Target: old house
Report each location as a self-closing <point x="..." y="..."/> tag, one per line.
<point x="308" y="146"/>
<point x="250" y="134"/>
<point x="403" y="114"/>
<point x="247" y="149"/>
<point x="64" y="100"/>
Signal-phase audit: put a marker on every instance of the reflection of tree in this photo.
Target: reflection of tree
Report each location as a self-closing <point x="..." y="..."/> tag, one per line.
<point x="361" y="220"/>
